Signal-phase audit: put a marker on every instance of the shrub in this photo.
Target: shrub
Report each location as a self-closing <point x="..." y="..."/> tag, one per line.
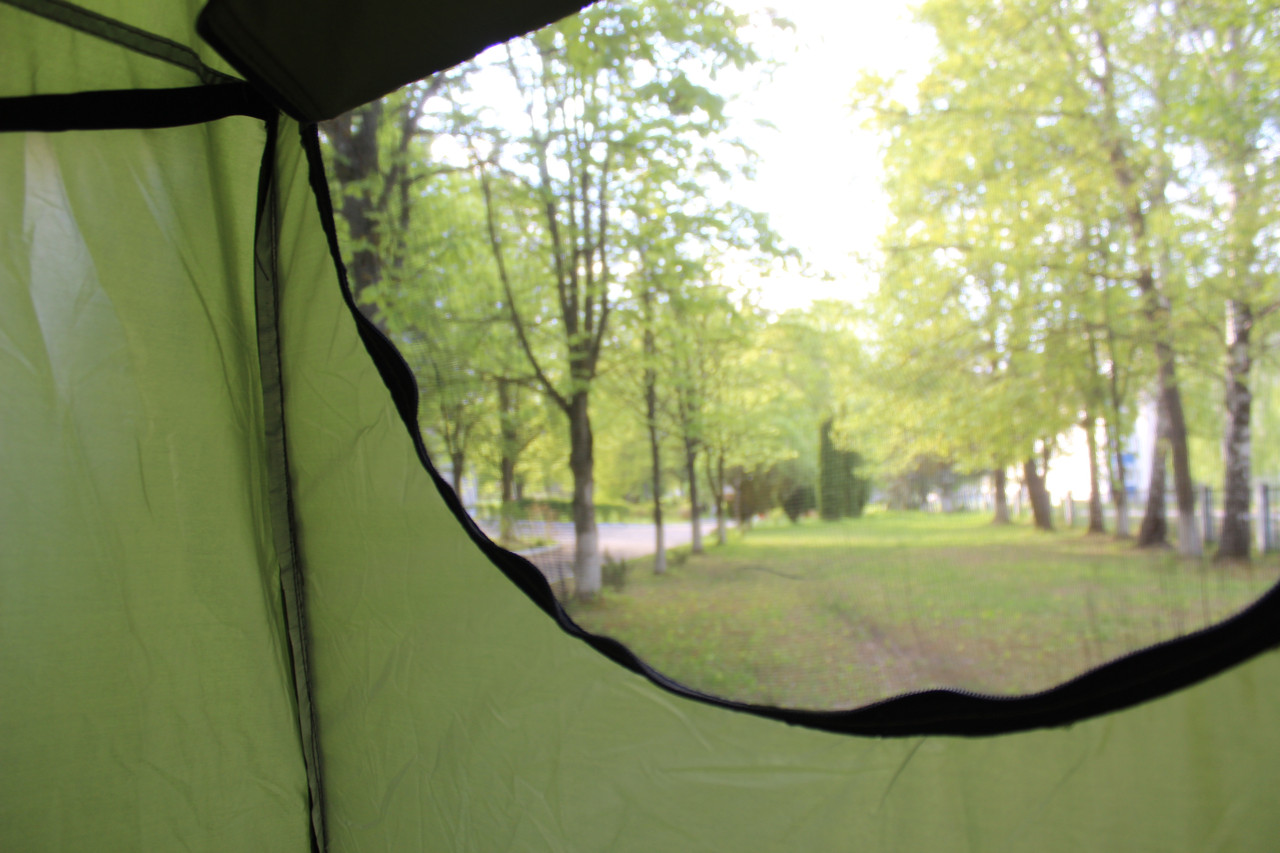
<point x="558" y="509"/>
<point x="613" y="573"/>
<point x="798" y="501"/>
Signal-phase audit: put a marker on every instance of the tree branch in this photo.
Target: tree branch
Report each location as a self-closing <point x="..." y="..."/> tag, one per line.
<point x="495" y="244"/>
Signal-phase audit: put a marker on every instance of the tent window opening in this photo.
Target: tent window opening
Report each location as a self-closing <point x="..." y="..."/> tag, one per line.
<point x="826" y="355"/>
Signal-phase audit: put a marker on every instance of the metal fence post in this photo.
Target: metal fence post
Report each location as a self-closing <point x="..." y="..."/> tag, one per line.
<point x="1208" y="533"/>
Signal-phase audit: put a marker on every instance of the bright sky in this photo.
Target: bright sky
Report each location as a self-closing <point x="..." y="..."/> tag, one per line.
<point x="818" y="174"/>
<point x="818" y="177"/>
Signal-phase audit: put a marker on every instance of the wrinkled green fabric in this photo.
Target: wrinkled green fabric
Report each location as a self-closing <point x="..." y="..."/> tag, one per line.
<point x="145" y="700"/>
<point x="145" y="687"/>
<point x="41" y="57"/>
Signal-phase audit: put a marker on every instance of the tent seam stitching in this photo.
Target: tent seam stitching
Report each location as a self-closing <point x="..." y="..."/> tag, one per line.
<point x="125" y="35"/>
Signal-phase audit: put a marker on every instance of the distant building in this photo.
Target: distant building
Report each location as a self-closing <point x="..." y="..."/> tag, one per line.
<point x="1069" y="468"/>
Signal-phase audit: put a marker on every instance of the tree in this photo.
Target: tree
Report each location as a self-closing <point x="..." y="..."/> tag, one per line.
<point x="1031" y="108"/>
<point x="618" y="99"/>
<point x="1232" y="114"/>
<point x="967" y="312"/>
<point x="375" y="164"/>
<point x="841" y="492"/>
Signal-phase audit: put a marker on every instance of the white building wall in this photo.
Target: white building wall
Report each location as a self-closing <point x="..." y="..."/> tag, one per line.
<point x="1069" y="469"/>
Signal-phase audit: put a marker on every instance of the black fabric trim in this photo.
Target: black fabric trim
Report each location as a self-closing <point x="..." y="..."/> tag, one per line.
<point x="117" y="109"/>
<point x="280" y="495"/>
<point x="1128" y="681"/>
<point x="379" y="60"/>
<point x="208" y="29"/>
<point x="117" y="32"/>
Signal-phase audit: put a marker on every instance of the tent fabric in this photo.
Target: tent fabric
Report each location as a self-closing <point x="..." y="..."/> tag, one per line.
<point x="30" y="41"/>
<point x="143" y="666"/>
<point x="319" y="59"/>
<point x="149" y="691"/>
<point x="139" y="41"/>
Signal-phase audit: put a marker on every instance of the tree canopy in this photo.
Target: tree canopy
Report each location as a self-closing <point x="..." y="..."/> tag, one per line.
<point x="1080" y="251"/>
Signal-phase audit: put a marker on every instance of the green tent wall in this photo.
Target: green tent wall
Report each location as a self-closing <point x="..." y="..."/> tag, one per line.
<point x="236" y="612"/>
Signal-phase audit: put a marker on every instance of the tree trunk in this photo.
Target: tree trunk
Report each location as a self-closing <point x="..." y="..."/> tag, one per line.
<point x="1096" y="524"/>
<point x="715" y="479"/>
<point x="1155" y="525"/>
<point x="353" y="138"/>
<point x="1041" y="509"/>
<point x="1233" y="544"/>
<point x="457" y="460"/>
<point x="506" y="512"/>
<point x="1189" y="544"/>
<point x="691" y="470"/>
<point x="999" y="478"/>
<point x="1171" y="438"/>
<point x="508" y="481"/>
<point x="1156" y="311"/>
<point x="655" y="449"/>
<point x="1116" y="478"/>
<point x="508" y="441"/>
<point x="739" y="506"/>
<point x="586" y="551"/>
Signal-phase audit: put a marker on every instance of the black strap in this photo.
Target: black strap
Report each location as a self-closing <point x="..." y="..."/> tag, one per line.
<point x="132" y="108"/>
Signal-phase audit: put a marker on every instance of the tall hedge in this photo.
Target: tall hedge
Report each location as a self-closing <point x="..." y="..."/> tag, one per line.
<point x="841" y="492"/>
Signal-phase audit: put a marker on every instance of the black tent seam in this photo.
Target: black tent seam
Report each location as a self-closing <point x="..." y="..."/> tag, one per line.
<point x="1139" y="677"/>
<point x="280" y="494"/>
<point x="121" y="109"/>
<point x="126" y="36"/>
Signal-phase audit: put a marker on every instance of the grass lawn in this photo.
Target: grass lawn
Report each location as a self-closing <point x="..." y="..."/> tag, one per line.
<point x="838" y="614"/>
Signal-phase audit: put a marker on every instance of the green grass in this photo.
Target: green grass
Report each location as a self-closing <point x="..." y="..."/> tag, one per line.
<point x="833" y="615"/>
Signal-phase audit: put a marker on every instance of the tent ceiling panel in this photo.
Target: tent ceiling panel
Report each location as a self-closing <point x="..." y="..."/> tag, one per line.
<point x="320" y="59"/>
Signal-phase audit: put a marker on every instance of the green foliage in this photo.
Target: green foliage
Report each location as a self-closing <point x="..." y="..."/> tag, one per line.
<point x="613" y="572"/>
<point x="580" y="246"/>
<point x="799" y="500"/>
<point x="556" y="509"/>
<point x="788" y="485"/>
<point x="1053" y="157"/>
<point x="842" y="493"/>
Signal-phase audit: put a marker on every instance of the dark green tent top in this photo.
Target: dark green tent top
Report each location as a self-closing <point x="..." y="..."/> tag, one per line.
<point x="238" y="613"/>
<point x="317" y="60"/>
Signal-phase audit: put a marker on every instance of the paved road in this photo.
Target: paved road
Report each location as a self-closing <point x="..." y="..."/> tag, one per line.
<point x="621" y="541"/>
<point x="624" y="541"/>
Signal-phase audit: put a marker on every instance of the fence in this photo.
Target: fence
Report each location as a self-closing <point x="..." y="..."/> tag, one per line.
<point x="1074" y="512"/>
